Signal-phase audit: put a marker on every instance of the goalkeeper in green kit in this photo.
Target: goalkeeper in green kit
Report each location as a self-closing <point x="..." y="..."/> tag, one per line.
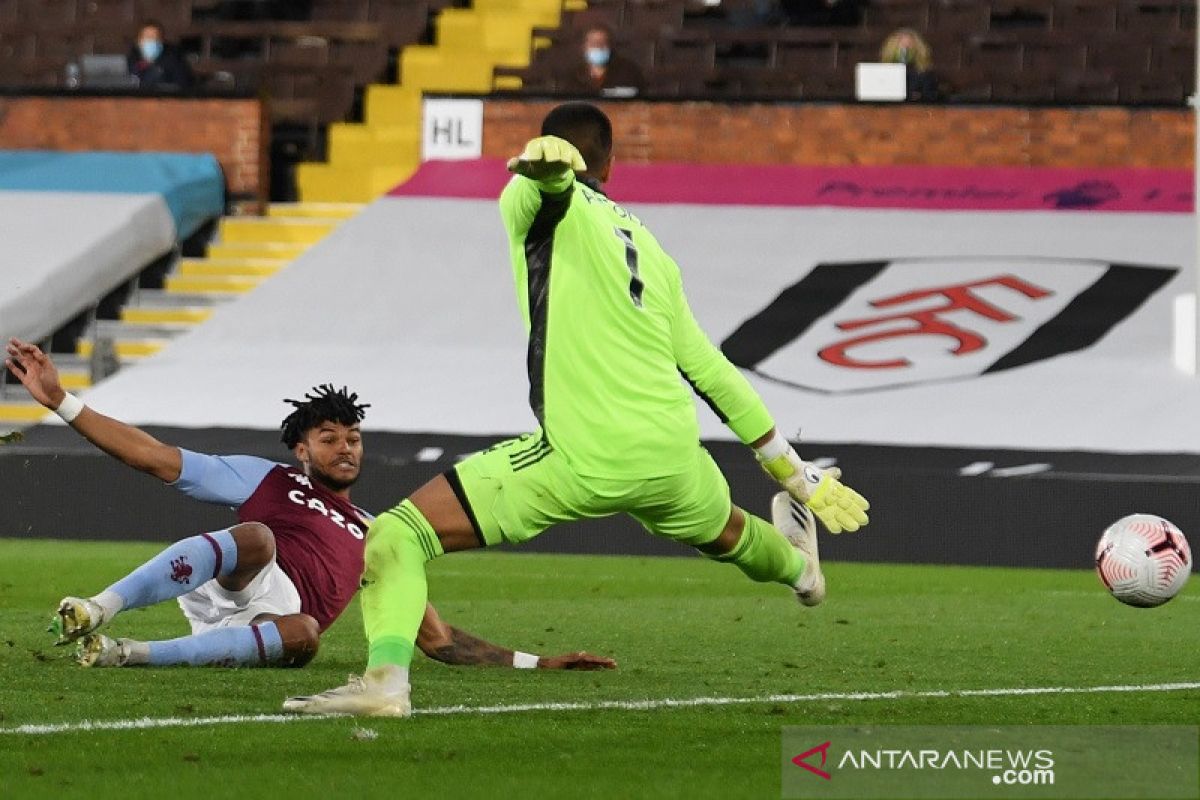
<point x="610" y="334"/>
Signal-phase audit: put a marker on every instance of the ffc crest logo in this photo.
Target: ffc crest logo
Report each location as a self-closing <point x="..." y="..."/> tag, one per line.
<point x="864" y="326"/>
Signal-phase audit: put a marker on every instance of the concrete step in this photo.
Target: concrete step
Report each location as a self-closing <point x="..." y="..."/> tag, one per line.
<point x="119" y="330"/>
<point x="338" y="211"/>
<point x="211" y="284"/>
<point x="74" y="380"/>
<point x="161" y="297"/>
<point x="271" y="230"/>
<point x="127" y="350"/>
<point x="165" y="315"/>
<point x="280" y="251"/>
<point x="131" y="341"/>
<point x="14" y="413"/>
<point x="231" y="267"/>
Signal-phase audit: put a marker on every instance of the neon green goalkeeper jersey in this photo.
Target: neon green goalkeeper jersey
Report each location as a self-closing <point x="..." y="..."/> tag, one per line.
<point x="611" y="337"/>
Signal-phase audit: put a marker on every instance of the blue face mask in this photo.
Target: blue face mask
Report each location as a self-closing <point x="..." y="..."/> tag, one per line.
<point x="597" y="56"/>
<point x="151" y="49"/>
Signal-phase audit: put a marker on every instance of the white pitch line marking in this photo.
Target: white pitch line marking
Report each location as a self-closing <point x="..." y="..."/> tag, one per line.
<point x="146" y="723"/>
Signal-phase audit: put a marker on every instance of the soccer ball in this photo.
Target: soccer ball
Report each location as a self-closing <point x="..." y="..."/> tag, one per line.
<point x="1143" y="560"/>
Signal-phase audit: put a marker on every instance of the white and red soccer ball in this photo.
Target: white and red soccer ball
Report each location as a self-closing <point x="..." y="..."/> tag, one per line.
<point x="1143" y="560"/>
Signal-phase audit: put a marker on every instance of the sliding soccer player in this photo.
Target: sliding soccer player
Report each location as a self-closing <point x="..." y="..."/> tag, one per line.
<point x="610" y="333"/>
<point x="260" y="592"/>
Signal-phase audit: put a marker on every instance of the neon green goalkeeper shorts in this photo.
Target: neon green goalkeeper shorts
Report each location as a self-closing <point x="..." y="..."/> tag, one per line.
<point x="516" y="489"/>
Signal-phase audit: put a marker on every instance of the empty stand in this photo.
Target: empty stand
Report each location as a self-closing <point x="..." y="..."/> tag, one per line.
<point x="1021" y="14"/>
<point x="959" y="16"/>
<point x="1152" y="90"/>
<point x="1086" y="86"/>
<point x="1154" y="16"/>
<point x="891" y="14"/>
<point x="1083" y="17"/>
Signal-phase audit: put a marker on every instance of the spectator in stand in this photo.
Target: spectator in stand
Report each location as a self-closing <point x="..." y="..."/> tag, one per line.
<point x="600" y="70"/>
<point x="157" y="64"/>
<point x="905" y="46"/>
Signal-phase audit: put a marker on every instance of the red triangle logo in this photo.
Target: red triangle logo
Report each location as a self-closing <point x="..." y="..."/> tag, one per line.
<point x="800" y="760"/>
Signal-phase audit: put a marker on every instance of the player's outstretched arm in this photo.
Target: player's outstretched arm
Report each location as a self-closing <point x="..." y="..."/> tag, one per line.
<point x="549" y="161"/>
<point x="443" y="642"/>
<point x="839" y="507"/>
<point x="127" y="444"/>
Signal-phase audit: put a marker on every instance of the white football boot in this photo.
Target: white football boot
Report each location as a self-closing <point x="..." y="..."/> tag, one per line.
<point x="793" y="519"/>
<point x="97" y="650"/>
<point x="75" y="617"/>
<point x="363" y="697"/>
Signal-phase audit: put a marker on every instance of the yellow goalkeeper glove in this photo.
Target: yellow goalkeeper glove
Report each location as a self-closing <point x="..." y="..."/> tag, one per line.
<point x="839" y="507"/>
<point x="546" y="158"/>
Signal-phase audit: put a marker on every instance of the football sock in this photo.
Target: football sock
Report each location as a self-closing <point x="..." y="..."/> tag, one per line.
<point x="252" y="645"/>
<point x="394" y="590"/>
<point x="765" y="554"/>
<point x="179" y="569"/>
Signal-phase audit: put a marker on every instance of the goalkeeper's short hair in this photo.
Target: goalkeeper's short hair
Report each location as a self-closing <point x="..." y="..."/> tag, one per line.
<point x="585" y="126"/>
<point x="322" y="404"/>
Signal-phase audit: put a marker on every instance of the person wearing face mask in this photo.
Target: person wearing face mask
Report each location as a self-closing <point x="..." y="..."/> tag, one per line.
<point x="905" y="46"/>
<point x="156" y="64"/>
<point x="600" y="70"/>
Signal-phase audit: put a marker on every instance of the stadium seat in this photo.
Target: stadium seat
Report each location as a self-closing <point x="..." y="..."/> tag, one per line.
<point x="806" y="52"/>
<point x="685" y="50"/>
<point x="1086" y="86"/>
<point x="1021" y="14"/>
<point x="1174" y="57"/>
<point x="1152" y="90"/>
<point x="654" y="16"/>
<point x="892" y="14"/>
<point x="1084" y="17"/>
<point x="391" y="106"/>
<point x="50" y="14"/>
<point x="1124" y="55"/>
<point x="1151" y="16"/>
<point x="994" y="54"/>
<point x="962" y="17"/>
<point x="357" y="145"/>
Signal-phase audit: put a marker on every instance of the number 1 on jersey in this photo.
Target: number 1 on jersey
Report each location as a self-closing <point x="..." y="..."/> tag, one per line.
<point x="631" y="261"/>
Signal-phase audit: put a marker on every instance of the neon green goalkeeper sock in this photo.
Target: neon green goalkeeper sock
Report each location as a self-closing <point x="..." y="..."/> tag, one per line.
<point x="764" y="554"/>
<point x="395" y="591"/>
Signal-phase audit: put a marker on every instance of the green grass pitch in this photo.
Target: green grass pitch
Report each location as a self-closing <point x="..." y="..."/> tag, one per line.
<point x="680" y="628"/>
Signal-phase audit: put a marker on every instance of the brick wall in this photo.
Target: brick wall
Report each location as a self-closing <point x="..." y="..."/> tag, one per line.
<point x="235" y="130"/>
<point x="835" y="135"/>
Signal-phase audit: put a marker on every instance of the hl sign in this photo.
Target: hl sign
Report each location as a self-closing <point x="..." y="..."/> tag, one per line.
<point x="452" y="130"/>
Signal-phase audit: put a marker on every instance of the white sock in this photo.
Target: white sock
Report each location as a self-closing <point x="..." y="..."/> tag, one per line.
<point x="139" y="652"/>
<point x="391" y="678"/>
<point x="110" y="601"/>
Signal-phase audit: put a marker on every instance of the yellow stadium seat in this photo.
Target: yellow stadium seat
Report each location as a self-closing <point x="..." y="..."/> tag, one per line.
<point x="391" y="106"/>
<point x="374" y="145"/>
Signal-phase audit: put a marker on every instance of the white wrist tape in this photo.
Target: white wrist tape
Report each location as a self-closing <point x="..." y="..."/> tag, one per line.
<point x="69" y="408"/>
<point x="525" y="660"/>
<point x="775" y="447"/>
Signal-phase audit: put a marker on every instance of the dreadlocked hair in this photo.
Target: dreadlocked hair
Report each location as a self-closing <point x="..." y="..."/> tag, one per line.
<point x="322" y="404"/>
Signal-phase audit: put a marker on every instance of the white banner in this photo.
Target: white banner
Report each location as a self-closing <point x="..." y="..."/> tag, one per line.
<point x="423" y="323"/>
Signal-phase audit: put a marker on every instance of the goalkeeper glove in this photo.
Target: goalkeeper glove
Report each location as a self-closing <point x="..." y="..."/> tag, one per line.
<point x="546" y="158"/>
<point x="839" y="507"/>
